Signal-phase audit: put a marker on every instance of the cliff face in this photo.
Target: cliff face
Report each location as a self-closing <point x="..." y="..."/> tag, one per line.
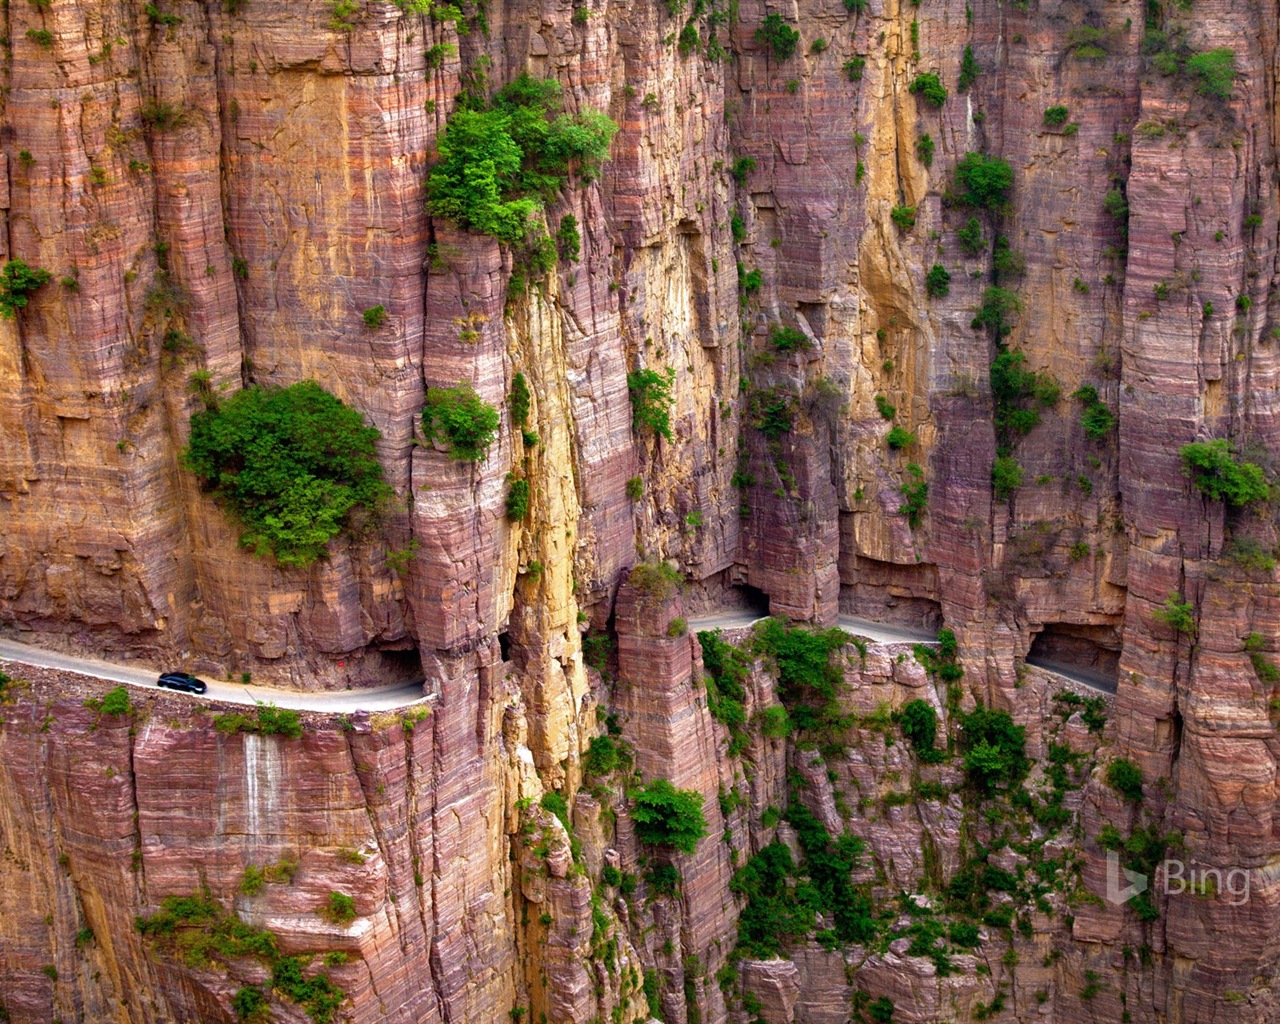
<point x="223" y="189"/>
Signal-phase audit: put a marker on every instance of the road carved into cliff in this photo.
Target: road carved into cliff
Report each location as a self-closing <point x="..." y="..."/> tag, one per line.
<point x="386" y="698"/>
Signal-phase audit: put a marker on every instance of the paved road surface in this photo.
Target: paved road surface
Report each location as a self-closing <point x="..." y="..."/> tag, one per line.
<point x="385" y="698"/>
<point x="1096" y="680"/>
<point x="877" y="632"/>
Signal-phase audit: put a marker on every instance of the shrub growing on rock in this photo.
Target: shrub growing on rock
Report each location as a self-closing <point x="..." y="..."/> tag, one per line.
<point x="1216" y="472"/>
<point x="776" y="35"/>
<point x="651" y="400"/>
<point x="292" y="464"/>
<point x="1125" y="778"/>
<point x="17" y="282"/>
<point x="498" y="163"/>
<point x="462" y="420"/>
<point x="994" y="750"/>
<point x="667" y="816"/>
<point x="929" y="86"/>
<point x="937" y="282"/>
<point x="982" y="181"/>
<point x="919" y="724"/>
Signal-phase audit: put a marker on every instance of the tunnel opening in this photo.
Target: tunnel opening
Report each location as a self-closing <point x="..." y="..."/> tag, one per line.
<point x="396" y="666"/>
<point x="504" y="645"/>
<point x="1090" y="651"/>
<point x="750" y="598"/>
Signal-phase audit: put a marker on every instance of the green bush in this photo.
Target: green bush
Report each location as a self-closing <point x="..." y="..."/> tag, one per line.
<point x="339" y="908"/>
<point x="741" y="167"/>
<point x="904" y="217"/>
<point x="1216" y="472"/>
<point x="274" y="721"/>
<point x="291" y="463"/>
<point x="886" y="408"/>
<point x="937" y="282"/>
<point x="375" y="316"/>
<point x="635" y="488"/>
<point x="919" y="724"/>
<point x="17" y="282"/>
<point x="998" y="312"/>
<point x="1125" y="778"/>
<point x="1098" y="421"/>
<point x="605" y="756"/>
<point x="1055" y="117"/>
<point x="656" y="580"/>
<point x="1177" y="615"/>
<point x="854" y="68"/>
<point x="994" y="750"/>
<point x="568" y="240"/>
<point x="772" y="412"/>
<point x="970" y="237"/>
<point x="898" y="438"/>
<point x="809" y="678"/>
<point x="774" y="722"/>
<point x="518" y="500"/>
<point x="924" y="149"/>
<point x="915" y="493"/>
<point x="1019" y="396"/>
<point x="788" y="339"/>
<point x="666" y="816"/>
<point x="928" y="85"/>
<point x="727" y="668"/>
<point x="462" y="420"/>
<point x="1214" y="71"/>
<point x="116" y="702"/>
<point x="1006" y="477"/>
<point x="497" y="165"/>
<point x="249" y="1003"/>
<point x="651" y="400"/>
<point x="880" y="1009"/>
<point x="969" y="70"/>
<point x="983" y="181"/>
<point x="776" y="35"/>
<point x="518" y="400"/>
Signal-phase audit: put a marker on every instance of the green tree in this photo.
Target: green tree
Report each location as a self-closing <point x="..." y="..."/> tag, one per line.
<point x="498" y="164"/>
<point x="290" y="463"/>
<point x="460" y="417"/>
<point x="1216" y="472"/>
<point x="929" y="86"/>
<point x="983" y="181"/>
<point x="17" y="282"/>
<point x="969" y="70"/>
<point x="937" y="282"/>
<point x="651" y="400"/>
<point x="666" y="816"/>
<point x="1125" y="778"/>
<point x="776" y="35"/>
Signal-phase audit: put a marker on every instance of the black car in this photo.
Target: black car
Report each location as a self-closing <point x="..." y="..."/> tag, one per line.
<point x="184" y="681"/>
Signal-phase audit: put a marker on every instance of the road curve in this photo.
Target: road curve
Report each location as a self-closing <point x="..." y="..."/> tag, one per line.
<point x="876" y="632"/>
<point x="1095" y="680"/>
<point x="387" y="698"/>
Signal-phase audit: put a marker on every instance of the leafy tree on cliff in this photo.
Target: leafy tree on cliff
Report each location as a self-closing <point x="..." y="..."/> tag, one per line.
<point x="17" y="282"/>
<point x="292" y="464"/>
<point x="498" y="163"/>
<point x="1216" y="472"/>
<point x="666" y="816"/>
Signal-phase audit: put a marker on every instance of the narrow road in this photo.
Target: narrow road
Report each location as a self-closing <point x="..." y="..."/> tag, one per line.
<point x="1095" y="680"/>
<point x="876" y="632"/>
<point x="386" y="698"/>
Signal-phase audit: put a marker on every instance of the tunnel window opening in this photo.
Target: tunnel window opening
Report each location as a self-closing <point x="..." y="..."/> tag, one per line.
<point x="504" y="645"/>
<point x="398" y="666"/>
<point x="1092" y="652"/>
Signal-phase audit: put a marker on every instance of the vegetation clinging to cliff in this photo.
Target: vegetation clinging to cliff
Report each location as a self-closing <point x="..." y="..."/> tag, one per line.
<point x="462" y="419"/>
<point x="17" y="282"/>
<point x="291" y="463"/>
<point x="1217" y="473"/>
<point x="666" y="816"/>
<point x="499" y="162"/>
